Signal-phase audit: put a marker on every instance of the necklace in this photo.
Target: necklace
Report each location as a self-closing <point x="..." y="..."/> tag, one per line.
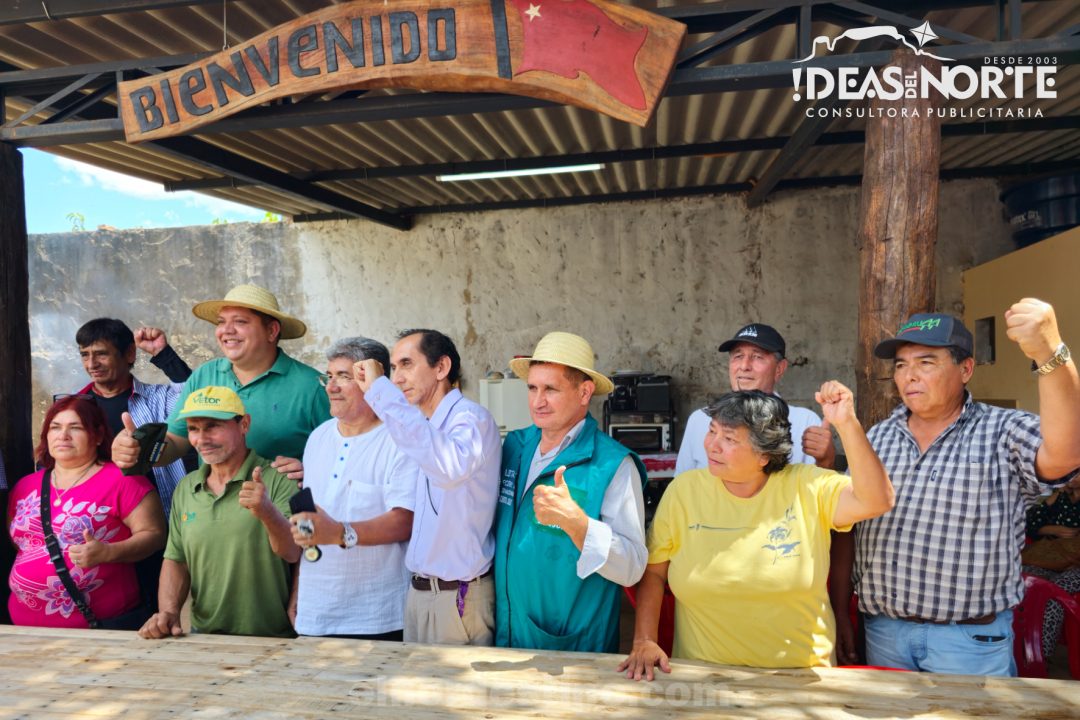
<point x="60" y="496"/>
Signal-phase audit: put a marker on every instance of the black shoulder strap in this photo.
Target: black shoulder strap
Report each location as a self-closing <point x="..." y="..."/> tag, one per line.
<point x="57" y="555"/>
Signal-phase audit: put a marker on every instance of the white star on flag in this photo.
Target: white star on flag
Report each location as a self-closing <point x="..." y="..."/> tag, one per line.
<point x="923" y="33"/>
<point x="533" y="12"/>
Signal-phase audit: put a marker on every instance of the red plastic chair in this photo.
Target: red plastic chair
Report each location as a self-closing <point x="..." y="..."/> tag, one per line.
<point x="666" y="630"/>
<point x="1028" y="625"/>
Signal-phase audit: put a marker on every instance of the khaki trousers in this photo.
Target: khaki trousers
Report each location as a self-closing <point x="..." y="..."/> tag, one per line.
<point x="431" y="617"/>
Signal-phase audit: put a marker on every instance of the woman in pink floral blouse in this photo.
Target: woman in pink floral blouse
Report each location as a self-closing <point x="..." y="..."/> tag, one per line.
<point x="104" y="522"/>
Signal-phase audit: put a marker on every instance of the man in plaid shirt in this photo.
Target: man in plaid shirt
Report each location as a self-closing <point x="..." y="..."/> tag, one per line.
<point x="938" y="576"/>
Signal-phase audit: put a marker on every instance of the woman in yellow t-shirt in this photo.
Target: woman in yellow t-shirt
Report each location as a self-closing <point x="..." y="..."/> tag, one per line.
<point x="745" y="543"/>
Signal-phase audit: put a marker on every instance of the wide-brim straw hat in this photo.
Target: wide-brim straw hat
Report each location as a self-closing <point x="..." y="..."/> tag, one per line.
<point x="564" y="349"/>
<point x="252" y="297"/>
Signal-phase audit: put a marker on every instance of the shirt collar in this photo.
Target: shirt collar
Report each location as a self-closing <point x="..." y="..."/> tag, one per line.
<point x="901" y="414"/>
<point x="242" y="474"/>
<point x="282" y="365"/>
<point x="445" y="406"/>
<point x="138" y="386"/>
<point x="567" y="441"/>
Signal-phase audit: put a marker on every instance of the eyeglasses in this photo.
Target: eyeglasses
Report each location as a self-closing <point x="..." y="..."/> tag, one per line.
<point x="341" y="380"/>
<point x="79" y="396"/>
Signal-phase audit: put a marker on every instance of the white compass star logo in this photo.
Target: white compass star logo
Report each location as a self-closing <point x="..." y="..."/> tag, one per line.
<point x="533" y="12"/>
<point x="923" y="33"/>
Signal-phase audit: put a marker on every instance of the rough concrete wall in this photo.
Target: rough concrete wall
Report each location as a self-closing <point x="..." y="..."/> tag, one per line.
<point x="653" y="285"/>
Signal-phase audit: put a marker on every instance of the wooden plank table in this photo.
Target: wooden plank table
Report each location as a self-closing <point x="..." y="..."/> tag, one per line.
<point x="65" y="674"/>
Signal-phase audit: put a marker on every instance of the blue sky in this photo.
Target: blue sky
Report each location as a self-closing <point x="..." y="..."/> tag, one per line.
<point x="56" y="186"/>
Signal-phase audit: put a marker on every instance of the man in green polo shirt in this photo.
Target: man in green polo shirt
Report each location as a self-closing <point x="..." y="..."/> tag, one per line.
<point x="230" y="541"/>
<point x="282" y="395"/>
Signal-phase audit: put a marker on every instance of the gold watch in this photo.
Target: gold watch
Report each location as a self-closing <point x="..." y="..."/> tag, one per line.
<point x="1061" y="356"/>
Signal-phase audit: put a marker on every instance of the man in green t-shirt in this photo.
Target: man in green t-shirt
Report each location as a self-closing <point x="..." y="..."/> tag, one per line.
<point x="230" y="541"/>
<point x="282" y="394"/>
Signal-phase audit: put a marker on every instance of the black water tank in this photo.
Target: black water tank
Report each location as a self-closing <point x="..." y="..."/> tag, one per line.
<point x="1042" y="208"/>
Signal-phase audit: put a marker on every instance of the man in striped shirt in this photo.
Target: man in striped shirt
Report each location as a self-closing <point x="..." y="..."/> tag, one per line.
<point x="108" y="349"/>
<point x="938" y="576"/>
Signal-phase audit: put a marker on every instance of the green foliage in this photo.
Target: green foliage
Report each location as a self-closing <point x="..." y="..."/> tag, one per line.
<point x="220" y="221"/>
<point x="271" y="217"/>
<point x="78" y="222"/>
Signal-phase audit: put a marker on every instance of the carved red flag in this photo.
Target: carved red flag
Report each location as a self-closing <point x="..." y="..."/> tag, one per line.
<point x="567" y="37"/>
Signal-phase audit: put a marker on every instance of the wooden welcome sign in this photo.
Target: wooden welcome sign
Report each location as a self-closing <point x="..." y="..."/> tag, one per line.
<point x="596" y="54"/>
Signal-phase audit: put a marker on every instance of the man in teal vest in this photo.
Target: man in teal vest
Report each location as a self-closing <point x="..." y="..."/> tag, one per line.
<point x="569" y="525"/>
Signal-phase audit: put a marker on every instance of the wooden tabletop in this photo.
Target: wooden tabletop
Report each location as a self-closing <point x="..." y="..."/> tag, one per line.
<point x="64" y="674"/>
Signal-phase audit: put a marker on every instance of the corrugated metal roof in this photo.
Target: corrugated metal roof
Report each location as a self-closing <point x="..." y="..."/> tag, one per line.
<point x="548" y="131"/>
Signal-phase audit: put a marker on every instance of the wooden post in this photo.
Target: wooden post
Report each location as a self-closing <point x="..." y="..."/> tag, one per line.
<point x="15" y="390"/>
<point x="898" y="221"/>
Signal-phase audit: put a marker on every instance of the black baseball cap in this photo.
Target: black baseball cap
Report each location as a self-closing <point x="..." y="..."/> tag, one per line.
<point x="758" y="334"/>
<point x="931" y="329"/>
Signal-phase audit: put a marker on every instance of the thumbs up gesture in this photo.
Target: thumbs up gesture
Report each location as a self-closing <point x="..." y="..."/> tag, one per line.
<point x="553" y="505"/>
<point x="254" y="497"/>
<point x="125" y="449"/>
<point x="817" y="442"/>
<point x="91" y="553"/>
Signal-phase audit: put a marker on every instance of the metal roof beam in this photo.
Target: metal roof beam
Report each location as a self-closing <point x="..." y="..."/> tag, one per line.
<point x="15" y="12"/>
<point x="725" y="147"/>
<point x="714" y="17"/>
<point x="219" y="160"/>
<point x="808" y="132"/>
<point x="706" y="17"/>
<point x="691" y="81"/>
<point x="729" y="188"/>
<point x="216" y="159"/>
<point x="859" y="8"/>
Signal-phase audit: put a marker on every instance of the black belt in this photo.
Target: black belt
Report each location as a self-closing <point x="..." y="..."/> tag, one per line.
<point x="983" y="620"/>
<point x="423" y="583"/>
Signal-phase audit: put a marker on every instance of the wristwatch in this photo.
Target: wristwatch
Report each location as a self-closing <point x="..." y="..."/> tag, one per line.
<point x="1061" y="356"/>
<point x="348" y="538"/>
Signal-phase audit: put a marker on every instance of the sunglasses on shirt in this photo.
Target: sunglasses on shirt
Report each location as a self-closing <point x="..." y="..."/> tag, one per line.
<point x="79" y="396"/>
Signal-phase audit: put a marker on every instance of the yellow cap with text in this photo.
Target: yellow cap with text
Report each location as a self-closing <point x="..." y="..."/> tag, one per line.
<point x="213" y="402"/>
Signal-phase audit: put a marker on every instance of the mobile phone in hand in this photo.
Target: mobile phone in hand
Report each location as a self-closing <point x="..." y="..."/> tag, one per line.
<point x="302" y="502"/>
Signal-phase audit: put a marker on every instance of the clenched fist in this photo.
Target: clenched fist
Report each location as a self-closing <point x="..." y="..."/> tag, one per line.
<point x="817" y="442"/>
<point x="161" y="625"/>
<point x="837" y="404"/>
<point x="150" y="340"/>
<point x="1033" y="326"/>
<point x="366" y="372"/>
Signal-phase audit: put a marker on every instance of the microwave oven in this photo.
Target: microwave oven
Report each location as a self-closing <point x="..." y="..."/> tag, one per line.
<point x="642" y="437"/>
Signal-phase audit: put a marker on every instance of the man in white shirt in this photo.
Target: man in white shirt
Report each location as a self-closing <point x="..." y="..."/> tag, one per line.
<point x="456" y="443"/>
<point x="569" y="528"/>
<point x="354" y="581"/>
<point x="757" y="363"/>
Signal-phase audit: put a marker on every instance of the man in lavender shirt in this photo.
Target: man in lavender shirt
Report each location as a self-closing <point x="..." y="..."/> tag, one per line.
<point x="456" y="443"/>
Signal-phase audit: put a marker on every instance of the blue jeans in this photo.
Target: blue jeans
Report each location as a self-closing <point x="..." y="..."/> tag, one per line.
<point x="950" y="649"/>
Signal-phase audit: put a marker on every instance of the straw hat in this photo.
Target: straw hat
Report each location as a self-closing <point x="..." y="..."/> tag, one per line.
<point x="564" y="349"/>
<point x="252" y="297"/>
